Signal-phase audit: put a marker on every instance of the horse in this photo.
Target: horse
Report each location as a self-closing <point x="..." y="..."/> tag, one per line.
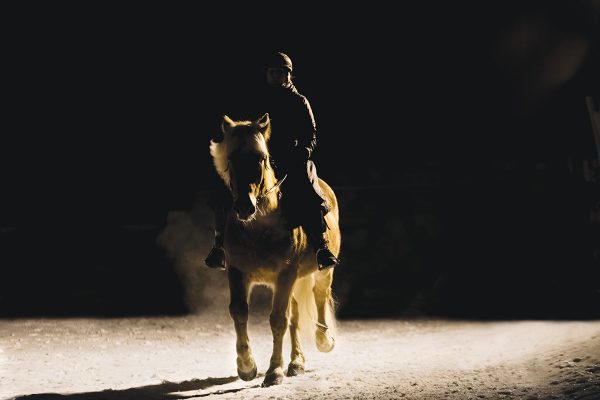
<point x="262" y="250"/>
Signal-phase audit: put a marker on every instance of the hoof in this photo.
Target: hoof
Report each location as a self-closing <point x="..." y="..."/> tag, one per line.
<point x="325" y="342"/>
<point x="247" y="376"/>
<point x="295" y="369"/>
<point x="274" y="377"/>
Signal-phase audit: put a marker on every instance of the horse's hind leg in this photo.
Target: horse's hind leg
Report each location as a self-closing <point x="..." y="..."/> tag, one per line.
<point x="238" y="309"/>
<point x="279" y="321"/>
<point x="296" y="366"/>
<point x="324" y="302"/>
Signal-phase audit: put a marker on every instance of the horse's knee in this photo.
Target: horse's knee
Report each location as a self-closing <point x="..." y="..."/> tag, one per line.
<point x="323" y="280"/>
<point x="278" y="322"/>
<point x="294" y="320"/>
<point x="322" y="290"/>
<point x="238" y="311"/>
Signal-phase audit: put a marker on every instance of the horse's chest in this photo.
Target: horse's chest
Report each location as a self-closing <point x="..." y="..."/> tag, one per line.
<point x="260" y="248"/>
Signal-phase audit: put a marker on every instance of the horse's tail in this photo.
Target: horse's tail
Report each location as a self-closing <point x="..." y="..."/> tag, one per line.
<point x="308" y="321"/>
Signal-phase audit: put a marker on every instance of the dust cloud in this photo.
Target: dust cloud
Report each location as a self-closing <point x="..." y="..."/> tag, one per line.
<point x="187" y="239"/>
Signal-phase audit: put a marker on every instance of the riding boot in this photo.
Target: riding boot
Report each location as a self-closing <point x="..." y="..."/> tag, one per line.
<point x="317" y="238"/>
<point x="216" y="257"/>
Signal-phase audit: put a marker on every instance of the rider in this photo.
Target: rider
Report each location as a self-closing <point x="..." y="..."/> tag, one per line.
<point x="292" y="143"/>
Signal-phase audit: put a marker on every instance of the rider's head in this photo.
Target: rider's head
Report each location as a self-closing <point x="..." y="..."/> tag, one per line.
<point x="278" y="68"/>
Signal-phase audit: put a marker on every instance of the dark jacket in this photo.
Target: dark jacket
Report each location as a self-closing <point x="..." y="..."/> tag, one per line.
<point x="293" y="126"/>
<point x="293" y="140"/>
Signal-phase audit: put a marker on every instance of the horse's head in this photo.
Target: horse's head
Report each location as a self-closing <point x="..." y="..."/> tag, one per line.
<point x="242" y="161"/>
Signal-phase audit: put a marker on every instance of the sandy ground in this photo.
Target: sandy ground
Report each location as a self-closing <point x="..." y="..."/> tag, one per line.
<point x="194" y="357"/>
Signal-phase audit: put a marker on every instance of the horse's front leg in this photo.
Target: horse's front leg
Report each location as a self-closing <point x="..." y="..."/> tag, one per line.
<point x="279" y="322"/>
<point x="296" y="365"/>
<point x="238" y="309"/>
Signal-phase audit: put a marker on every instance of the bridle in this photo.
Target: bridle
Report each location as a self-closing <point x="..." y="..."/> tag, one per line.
<point x="264" y="194"/>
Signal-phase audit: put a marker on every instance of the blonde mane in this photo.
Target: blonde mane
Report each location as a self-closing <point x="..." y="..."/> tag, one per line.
<point x="220" y="155"/>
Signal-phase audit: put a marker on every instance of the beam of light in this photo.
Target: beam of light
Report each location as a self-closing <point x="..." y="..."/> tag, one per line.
<point x="194" y="356"/>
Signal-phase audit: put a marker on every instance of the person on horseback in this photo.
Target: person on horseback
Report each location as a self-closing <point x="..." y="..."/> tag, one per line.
<point x="291" y="146"/>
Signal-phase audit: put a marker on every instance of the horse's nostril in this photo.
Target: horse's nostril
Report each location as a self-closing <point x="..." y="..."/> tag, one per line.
<point x="244" y="211"/>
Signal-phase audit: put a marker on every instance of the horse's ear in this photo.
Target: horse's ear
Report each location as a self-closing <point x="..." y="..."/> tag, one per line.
<point x="227" y="123"/>
<point x="264" y="123"/>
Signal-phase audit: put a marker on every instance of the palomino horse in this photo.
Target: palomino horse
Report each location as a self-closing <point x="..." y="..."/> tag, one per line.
<point x="260" y="249"/>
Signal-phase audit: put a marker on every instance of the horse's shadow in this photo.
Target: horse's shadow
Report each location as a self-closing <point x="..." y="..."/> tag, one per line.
<point x="162" y="391"/>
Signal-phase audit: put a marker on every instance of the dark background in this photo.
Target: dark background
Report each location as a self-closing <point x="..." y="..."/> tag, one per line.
<point x="454" y="135"/>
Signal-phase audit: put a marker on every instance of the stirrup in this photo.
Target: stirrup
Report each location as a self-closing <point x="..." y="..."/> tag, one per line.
<point x="326" y="259"/>
<point x="216" y="258"/>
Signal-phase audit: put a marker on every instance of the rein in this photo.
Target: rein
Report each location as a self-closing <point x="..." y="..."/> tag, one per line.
<point x="275" y="186"/>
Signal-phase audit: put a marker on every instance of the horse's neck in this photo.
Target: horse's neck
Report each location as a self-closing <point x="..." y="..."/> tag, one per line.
<point x="269" y="221"/>
<point x="267" y="225"/>
<point x="270" y="212"/>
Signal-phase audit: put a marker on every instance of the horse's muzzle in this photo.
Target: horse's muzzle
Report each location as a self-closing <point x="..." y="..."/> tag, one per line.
<point x="245" y="209"/>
